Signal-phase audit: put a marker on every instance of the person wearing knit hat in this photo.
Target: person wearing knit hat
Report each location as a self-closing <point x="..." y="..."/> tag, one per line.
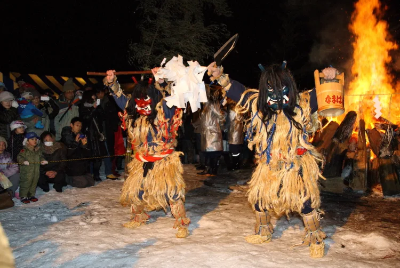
<point x="68" y="108"/>
<point x="17" y="124"/>
<point x="15" y="142"/>
<point x="6" y="96"/>
<point x="8" y="113"/>
<point x="69" y="85"/>
<point x="2" y="139"/>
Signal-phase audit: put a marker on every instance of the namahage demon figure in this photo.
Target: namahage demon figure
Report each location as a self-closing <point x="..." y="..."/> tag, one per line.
<point x="286" y="177"/>
<point x="155" y="171"/>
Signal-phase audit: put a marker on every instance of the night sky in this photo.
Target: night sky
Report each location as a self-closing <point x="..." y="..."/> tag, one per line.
<point x="71" y="37"/>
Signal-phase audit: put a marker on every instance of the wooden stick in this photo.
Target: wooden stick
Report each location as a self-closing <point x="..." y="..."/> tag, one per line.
<point x="120" y="73"/>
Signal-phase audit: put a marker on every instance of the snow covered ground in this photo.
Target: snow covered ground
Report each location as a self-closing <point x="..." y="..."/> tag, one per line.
<point x="83" y="228"/>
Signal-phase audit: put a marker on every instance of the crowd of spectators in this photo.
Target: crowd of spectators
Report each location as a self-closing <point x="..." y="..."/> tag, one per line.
<point x="41" y="133"/>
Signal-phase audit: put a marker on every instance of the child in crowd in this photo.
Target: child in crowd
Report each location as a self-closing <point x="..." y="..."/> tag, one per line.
<point x="29" y="158"/>
<point x="28" y="111"/>
<point x="16" y="139"/>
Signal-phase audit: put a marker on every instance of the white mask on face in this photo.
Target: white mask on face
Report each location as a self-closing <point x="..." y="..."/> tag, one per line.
<point x="48" y="143"/>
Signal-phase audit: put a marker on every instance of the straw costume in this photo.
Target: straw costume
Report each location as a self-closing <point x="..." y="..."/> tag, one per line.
<point x="286" y="177"/>
<point x="155" y="172"/>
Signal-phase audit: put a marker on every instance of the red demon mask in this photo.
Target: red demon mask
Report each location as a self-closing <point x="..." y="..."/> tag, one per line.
<point x="143" y="106"/>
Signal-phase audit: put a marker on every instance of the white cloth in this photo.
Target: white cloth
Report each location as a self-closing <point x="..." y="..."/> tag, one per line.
<point x="4" y="181"/>
<point x="188" y="84"/>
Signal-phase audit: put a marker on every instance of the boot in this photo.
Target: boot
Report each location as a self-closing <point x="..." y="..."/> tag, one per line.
<point x="207" y="170"/>
<point x="200" y="167"/>
<point x="263" y="229"/>
<point x="235" y="162"/>
<point x="314" y="236"/>
<point x="213" y="170"/>
<point x="181" y="221"/>
<point x="138" y="218"/>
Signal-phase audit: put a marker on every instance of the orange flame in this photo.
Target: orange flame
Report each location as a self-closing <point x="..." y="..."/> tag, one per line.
<point x="371" y="55"/>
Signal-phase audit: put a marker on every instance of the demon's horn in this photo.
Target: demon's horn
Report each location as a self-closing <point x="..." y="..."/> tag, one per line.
<point x="284" y="63"/>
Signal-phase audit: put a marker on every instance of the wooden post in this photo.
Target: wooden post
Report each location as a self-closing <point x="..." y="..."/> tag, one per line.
<point x="360" y="167"/>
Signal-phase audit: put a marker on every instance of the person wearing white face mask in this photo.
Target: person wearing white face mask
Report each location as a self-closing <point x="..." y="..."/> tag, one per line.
<point x="54" y="171"/>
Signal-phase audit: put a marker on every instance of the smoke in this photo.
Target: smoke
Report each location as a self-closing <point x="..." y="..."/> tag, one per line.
<point x="333" y="41"/>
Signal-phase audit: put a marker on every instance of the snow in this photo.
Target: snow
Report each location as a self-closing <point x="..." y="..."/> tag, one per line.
<point x="83" y="228"/>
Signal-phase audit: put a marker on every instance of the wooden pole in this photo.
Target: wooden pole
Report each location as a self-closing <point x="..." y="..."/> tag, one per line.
<point x="120" y="73"/>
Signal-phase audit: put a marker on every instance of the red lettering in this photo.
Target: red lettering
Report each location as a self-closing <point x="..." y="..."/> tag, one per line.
<point x="328" y="99"/>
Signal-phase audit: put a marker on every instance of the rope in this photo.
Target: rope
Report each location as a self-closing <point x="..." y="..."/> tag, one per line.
<point x="66" y="160"/>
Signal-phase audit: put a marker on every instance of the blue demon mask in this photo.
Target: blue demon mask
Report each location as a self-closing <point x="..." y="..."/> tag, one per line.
<point x="278" y="98"/>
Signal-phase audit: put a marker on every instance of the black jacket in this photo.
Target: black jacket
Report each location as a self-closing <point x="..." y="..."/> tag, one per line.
<point x="6" y="117"/>
<point x="89" y="115"/>
<point x="75" y="150"/>
<point x="57" y="152"/>
<point x="15" y="145"/>
<point x="110" y="121"/>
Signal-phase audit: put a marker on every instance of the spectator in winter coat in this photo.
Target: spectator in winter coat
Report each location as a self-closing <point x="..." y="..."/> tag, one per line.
<point x="28" y="112"/>
<point x="49" y="110"/>
<point x="8" y="113"/>
<point x="68" y="108"/>
<point x="77" y="148"/>
<point x="235" y="137"/>
<point x="31" y="158"/>
<point x="92" y="117"/>
<point x="54" y="172"/>
<point x="10" y="171"/>
<point x="212" y="119"/>
<point x="109" y="123"/>
<point x="15" y="142"/>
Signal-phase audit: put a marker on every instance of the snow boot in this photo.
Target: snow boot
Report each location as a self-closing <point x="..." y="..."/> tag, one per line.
<point x="33" y="199"/>
<point x="25" y="200"/>
<point x="181" y="221"/>
<point x="263" y="229"/>
<point x="138" y="218"/>
<point x="314" y="236"/>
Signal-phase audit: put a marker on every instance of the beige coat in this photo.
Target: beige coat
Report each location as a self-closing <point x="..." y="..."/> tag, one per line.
<point x="211" y="121"/>
<point x="235" y="131"/>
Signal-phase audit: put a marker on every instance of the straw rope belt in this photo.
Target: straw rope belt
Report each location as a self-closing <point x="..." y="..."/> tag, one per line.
<point x="154" y="157"/>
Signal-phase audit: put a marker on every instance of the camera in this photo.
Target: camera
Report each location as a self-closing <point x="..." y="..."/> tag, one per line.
<point x="45" y="98"/>
<point x="82" y="136"/>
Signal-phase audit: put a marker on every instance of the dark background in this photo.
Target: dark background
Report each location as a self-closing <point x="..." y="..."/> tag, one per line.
<point x="70" y="38"/>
